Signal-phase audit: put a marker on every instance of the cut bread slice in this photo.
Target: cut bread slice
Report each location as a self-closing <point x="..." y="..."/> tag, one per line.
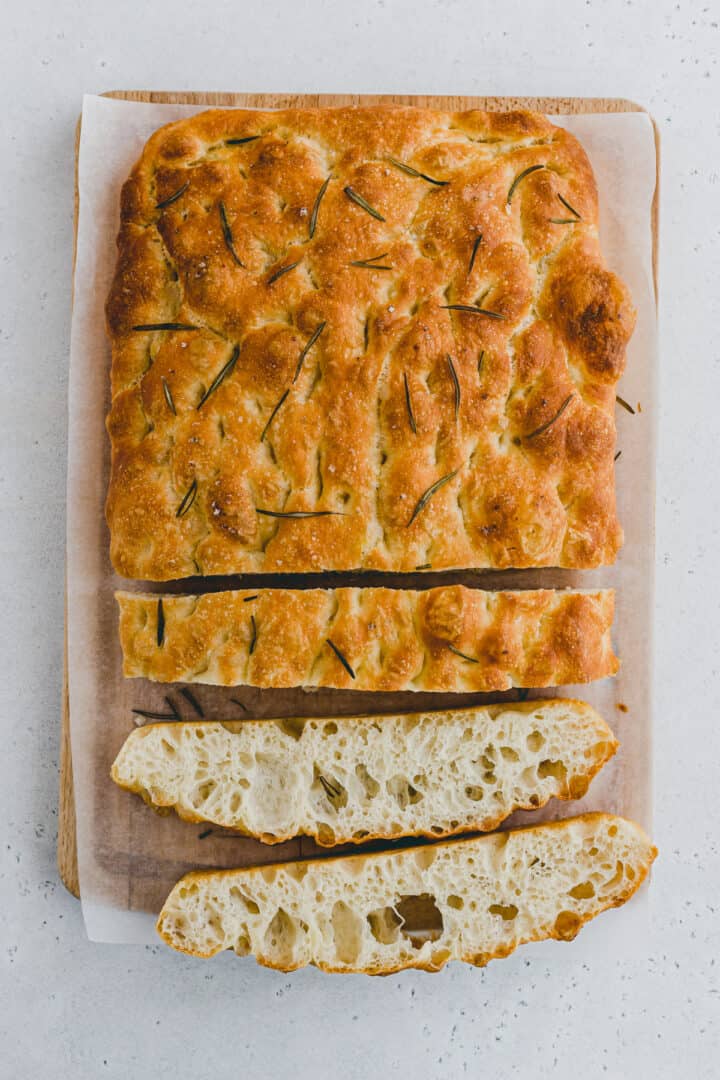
<point x="472" y="900"/>
<point x="448" y="638"/>
<point x="351" y="779"/>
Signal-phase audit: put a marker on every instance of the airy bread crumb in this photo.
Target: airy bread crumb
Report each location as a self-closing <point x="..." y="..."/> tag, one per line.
<point x="471" y="900"/>
<point x="344" y="780"/>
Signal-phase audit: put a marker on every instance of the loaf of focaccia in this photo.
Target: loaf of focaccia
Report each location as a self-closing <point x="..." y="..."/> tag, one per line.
<point x="448" y="638"/>
<point x="472" y="900"/>
<point x="362" y="338"/>
<point x="351" y="779"/>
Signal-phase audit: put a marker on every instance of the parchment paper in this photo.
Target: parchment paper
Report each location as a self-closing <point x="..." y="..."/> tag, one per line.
<point x="129" y="857"/>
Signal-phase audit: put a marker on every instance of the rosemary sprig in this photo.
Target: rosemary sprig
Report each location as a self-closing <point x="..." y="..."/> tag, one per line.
<point x="330" y="790"/>
<point x="424" y="566"/>
<point x="160" y="637"/>
<point x="168" y="395"/>
<point x="408" y="402"/>
<point x="148" y="715"/>
<point x="273" y="414"/>
<point x="464" y="656"/>
<point x="358" y="199"/>
<point x="548" y="423"/>
<point x="625" y="404"/>
<point x="617" y="455"/>
<point x="341" y="658"/>
<point x="567" y="206"/>
<point x="193" y="702"/>
<point x="473" y="309"/>
<point x="283" y="270"/>
<point x="416" y="173"/>
<point x="236" y="701"/>
<point x="316" y="207"/>
<point x="187" y="500"/>
<point x="253" y="639"/>
<point x="247" y="599"/>
<point x="456" y="383"/>
<point x="308" y="346"/>
<point x="174" y="197"/>
<point x="222" y="374"/>
<point x="371" y="264"/>
<point x="476" y="245"/>
<point x="227" y="234"/>
<point x="563" y="221"/>
<point x="427" y="495"/>
<point x="298" y="514"/>
<point x="481" y="359"/>
<point x="202" y="835"/>
<point x="165" y="326"/>
<point x="521" y="176"/>
<point x="241" y="141"/>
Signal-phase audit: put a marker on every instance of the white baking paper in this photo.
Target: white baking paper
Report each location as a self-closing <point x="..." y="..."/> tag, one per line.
<point x="129" y="858"/>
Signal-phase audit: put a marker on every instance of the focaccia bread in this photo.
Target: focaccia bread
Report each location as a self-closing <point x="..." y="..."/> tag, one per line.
<point x="362" y="338"/>
<point x="356" y="778"/>
<point x="448" y="638"/>
<point x="472" y="900"/>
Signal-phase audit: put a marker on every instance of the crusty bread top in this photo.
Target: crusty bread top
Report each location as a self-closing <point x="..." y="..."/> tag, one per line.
<point x="471" y="900"/>
<point x="448" y="638"/>
<point x="356" y="778"/>
<point x="363" y="304"/>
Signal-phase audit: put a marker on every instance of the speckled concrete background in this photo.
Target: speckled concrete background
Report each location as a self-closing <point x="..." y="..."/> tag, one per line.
<point x="75" y="1010"/>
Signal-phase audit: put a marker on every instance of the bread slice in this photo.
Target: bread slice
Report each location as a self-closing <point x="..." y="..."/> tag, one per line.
<point x="356" y="778"/>
<point x="471" y="900"/>
<point x="448" y="638"/>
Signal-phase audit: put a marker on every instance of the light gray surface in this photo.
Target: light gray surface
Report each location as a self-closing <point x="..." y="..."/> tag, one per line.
<point x="71" y="1009"/>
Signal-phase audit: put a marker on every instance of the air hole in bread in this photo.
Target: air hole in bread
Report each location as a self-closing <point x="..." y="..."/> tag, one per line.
<point x="384" y="925"/>
<point x="507" y="912"/>
<point x="556" y="769"/>
<point x="455" y="902"/>
<point x="203" y="793"/>
<point x="280" y="938"/>
<point x="368" y="782"/>
<point x="168" y="747"/>
<point x="404" y="793"/>
<point x="474" y="792"/>
<point x="421" y="919"/>
<point x="509" y="754"/>
<point x="617" y="876"/>
<point x="329" y="729"/>
<point x="584" y="891"/>
<point x="242" y="945"/>
<point x="347" y="932"/>
<point x="535" y="741"/>
<point x="249" y="905"/>
<point x="325" y="834"/>
<point x="292" y="727"/>
<point x="425" y="857"/>
<point x="612" y="831"/>
<point x="567" y="925"/>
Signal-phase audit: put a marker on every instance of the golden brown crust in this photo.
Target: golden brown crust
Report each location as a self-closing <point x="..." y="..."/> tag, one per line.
<point x="450" y="638"/>
<point x="378" y="413"/>
<point x="566" y="926"/>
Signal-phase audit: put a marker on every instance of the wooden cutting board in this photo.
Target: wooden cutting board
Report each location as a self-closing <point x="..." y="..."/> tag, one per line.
<point x="67" y="845"/>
